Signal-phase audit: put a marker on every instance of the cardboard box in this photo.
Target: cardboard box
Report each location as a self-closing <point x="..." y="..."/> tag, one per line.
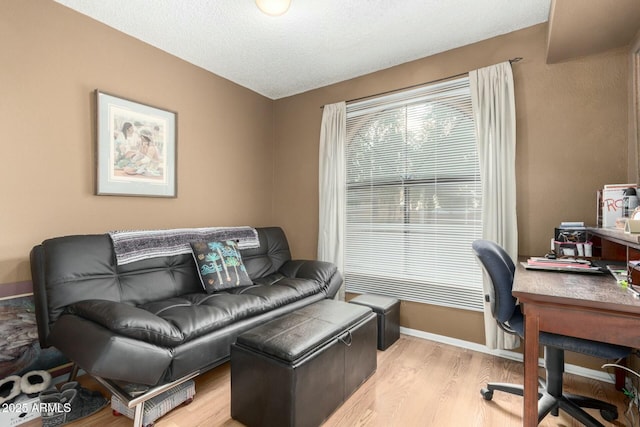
<point x="22" y="409"/>
<point x="632" y="226"/>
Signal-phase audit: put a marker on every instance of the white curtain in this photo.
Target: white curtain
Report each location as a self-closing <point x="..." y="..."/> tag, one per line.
<point x="332" y="186"/>
<point x="493" y="100"/>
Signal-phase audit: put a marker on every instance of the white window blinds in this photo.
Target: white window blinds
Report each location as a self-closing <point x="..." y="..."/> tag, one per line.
<point x="413" y="197"/>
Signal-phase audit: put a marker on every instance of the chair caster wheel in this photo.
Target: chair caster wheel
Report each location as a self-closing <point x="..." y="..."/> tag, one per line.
<point x="609" y="415"/>
<point x="486" y="393"/>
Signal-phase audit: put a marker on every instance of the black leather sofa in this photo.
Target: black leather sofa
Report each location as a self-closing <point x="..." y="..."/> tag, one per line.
<point x="150" y="322"/>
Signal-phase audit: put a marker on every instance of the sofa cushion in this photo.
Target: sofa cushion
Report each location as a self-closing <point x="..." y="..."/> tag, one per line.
<point x="197" y="314"/>
<point x="220" y="265"/>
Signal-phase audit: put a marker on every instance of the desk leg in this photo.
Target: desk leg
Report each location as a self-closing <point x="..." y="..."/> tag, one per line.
<point x="531" y="331"/>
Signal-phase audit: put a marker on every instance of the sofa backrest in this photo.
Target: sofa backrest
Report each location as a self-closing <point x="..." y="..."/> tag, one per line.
<point x="270" y="256"/>
<point x="69" y="269"/>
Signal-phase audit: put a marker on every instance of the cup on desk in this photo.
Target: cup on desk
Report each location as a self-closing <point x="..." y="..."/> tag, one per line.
<point x="588" y="249"/>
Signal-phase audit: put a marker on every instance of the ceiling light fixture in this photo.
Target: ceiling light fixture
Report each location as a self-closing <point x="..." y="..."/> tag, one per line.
<point x="273" y="7"/>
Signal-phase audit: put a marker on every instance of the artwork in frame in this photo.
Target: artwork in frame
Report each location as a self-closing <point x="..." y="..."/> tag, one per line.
<point x="136" y="148"/>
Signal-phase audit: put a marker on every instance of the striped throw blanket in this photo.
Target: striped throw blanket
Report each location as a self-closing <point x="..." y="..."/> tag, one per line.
<point x="131" y="246"/>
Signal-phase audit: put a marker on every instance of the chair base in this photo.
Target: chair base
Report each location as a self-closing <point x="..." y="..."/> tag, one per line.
<point x="570" y="403"/>
<point x="550" y="396"/>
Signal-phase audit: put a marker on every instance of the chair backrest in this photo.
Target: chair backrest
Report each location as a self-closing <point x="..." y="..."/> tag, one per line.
<point x="500" y="269"/>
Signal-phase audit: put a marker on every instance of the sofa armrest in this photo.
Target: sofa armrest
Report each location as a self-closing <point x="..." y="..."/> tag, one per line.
<point x="324" y="272"/>
<point x="128" y="320"/>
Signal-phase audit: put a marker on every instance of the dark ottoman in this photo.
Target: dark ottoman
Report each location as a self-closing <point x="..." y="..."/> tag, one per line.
<point x="299" y="368"/>
<point x="388" y="311"/>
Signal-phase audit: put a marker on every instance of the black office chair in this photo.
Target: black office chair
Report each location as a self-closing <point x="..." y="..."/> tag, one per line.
<point x="505" y="309"/>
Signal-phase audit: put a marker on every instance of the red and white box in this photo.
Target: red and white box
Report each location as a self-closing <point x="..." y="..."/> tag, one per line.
<point x="612" y="203"/>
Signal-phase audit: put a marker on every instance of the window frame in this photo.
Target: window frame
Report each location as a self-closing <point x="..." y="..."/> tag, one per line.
<point x="405" y="287"/>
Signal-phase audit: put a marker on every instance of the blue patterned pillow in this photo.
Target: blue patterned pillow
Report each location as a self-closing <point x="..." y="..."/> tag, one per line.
<point x="220" y="265"/>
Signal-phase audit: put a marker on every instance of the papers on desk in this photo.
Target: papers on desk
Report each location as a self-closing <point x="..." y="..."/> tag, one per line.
<point x="571" y="265"/>
<point x="619" y="272"/>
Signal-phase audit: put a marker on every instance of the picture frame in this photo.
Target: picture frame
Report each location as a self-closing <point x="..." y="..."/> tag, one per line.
<point x="136" y="148"/>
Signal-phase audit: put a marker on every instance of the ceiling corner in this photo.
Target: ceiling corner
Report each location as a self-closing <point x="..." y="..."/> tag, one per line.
<point x="580" y="28"/>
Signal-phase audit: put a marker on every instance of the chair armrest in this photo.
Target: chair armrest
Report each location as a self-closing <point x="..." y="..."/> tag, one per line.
<point x="129" y="321"/>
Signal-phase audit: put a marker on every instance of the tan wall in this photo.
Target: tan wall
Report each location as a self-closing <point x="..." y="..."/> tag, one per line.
<point x="634" y="109"/>
<point x="468" y="325"/>
<point x="52" y="60"/>
<point x="571" y="140"/>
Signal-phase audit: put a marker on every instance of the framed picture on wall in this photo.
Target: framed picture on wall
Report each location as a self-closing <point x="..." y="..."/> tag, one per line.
<point x="135" y="148"/>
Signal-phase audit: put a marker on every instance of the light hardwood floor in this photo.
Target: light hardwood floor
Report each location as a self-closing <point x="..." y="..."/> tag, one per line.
<point x="417" y="383"/>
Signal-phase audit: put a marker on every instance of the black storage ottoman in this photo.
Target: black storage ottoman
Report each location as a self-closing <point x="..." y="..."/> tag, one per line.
<point x="296" y="370"/>
<point x="388" y="311"/>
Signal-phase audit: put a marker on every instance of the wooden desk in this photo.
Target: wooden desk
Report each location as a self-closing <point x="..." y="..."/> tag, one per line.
<point x="575" y="304"/>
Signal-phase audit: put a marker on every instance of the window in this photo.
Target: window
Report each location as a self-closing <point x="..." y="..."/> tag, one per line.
<point x="413" y="197"/>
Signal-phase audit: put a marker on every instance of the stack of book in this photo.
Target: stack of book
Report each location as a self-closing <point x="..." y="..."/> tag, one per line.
<point x="561" y="264"/>
<point x="572" y="225"/>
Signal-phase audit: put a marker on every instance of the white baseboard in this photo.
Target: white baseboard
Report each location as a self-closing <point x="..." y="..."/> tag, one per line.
<point x="511" y="355"/>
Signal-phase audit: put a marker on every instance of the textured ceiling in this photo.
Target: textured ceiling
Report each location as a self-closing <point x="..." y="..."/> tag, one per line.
<point x="317" y="42"/>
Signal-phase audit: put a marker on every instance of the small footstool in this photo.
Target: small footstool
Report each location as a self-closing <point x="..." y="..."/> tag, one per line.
<point x="297" y="369"/>
<point x="388" y="311"/>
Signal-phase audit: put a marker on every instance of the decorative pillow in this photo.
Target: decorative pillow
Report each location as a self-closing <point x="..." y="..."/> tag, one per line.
<point x="220" y="265"/>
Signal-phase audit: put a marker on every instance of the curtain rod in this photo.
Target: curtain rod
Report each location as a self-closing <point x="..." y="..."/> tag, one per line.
<point x="511" y="61"/>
